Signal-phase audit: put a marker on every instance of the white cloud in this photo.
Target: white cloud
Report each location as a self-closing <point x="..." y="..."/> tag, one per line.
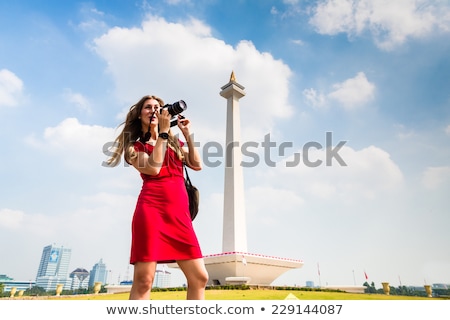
<point x="447" y="130"/>
<point x="11" y="88"/>
<point x="403" y="132"/>
<point x="269" y="199"/>
<point x="91" y="20"/>
<point x="369" y="174"/>
<point x="332" y="17"/>
<point x="298" y="42"/>
<point x="177" y="2"/>
<point x="435" y="177"/>
<point x="291" y="2"/>
<point x="77" y="99"/>
<point x="291" y="204"/>
<point x="184" y="61"/>
<point x="10" y="219"/>
<point x="78" y="145"/>
<point x="350" y="94"/>
<point x="390" y="22"/>
<point x="353" y="92"/>
<point x="274" y="11"/>
<point x="315" y="99"/>
<point x="98" y="216"/>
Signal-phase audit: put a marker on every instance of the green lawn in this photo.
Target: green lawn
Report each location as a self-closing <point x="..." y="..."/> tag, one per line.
<point x="253" y="294"/>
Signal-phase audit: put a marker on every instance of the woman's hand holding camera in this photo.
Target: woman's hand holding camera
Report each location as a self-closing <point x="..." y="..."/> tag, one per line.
<point x="164" y="120"/>
<point x="184" y="125"/>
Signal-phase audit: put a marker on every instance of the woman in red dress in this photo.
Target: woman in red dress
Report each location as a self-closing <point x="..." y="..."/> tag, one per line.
<point x="162" y="229"/>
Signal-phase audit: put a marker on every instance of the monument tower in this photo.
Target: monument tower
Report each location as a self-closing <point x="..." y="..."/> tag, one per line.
<point x="234" y="226"/>
<point x="235" y="265"/>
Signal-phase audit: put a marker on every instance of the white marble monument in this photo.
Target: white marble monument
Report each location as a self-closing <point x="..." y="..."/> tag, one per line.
<point x="235" y="265"/>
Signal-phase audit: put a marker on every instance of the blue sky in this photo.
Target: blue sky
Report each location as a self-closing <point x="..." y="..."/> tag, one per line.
<point x="376" y="74"/>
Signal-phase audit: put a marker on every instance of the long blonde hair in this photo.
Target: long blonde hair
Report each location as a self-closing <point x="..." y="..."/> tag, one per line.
<point x="132" y="132"/>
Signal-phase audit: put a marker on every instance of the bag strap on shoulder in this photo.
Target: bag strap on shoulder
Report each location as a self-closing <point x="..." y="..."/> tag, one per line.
<point x="187" y="174"/>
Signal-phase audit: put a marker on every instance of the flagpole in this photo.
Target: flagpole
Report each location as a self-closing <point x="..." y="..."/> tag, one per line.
<point x="318" y="271"/>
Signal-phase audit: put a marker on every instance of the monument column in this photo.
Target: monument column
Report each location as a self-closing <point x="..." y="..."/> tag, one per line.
<point x="234" y="223"/>
<point x="235" y="265"/>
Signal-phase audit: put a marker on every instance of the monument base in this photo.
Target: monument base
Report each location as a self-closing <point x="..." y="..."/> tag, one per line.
<point x="245" y="268"/>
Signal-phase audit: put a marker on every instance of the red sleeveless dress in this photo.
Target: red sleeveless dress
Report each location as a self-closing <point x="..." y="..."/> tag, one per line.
<point x="162" y="229"/>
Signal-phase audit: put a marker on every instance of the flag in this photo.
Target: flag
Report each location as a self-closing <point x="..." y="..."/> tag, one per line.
<point x="365" y="275"/>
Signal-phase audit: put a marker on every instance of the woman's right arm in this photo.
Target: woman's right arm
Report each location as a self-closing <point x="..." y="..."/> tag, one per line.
<point x="151" y="163"/>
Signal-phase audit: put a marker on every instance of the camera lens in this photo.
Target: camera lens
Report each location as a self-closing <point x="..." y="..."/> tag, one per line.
<point x="177" y="107"/>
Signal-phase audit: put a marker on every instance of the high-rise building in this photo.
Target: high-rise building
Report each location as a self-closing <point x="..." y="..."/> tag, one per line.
<point x="162" y="279"/>
<point x="80" y="279"/>
<point x="98" y="273"/>
<point x="53" y="268"/>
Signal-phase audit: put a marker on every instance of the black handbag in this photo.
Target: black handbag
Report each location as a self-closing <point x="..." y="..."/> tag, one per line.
<point x="193" y="194"/>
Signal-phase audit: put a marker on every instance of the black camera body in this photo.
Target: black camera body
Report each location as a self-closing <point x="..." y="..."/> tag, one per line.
<point x="174" y="109"/>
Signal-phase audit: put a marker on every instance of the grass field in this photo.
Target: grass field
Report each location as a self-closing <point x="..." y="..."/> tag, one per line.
<point x="253" y="294"/>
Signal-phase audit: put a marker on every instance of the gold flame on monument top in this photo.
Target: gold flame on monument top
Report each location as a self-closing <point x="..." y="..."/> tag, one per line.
<point x="232" y="77"/>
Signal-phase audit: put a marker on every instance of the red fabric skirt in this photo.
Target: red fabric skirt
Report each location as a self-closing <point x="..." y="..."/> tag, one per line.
<point x="162" y="229"/>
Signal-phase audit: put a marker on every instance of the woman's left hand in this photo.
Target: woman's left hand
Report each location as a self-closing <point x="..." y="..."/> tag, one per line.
<point x="184" y="124"/>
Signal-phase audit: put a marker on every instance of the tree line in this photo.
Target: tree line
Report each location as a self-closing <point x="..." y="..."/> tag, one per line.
<point x="406" y="291"/>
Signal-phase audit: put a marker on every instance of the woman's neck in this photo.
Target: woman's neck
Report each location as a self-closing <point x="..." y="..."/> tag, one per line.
<point x="150" y="133"/>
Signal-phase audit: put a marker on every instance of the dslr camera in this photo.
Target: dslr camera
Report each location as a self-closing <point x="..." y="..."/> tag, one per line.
<point x="175" y="109"/>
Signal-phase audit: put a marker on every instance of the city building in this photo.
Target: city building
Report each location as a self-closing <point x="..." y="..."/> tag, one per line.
<point x="53" y="268"/>
<point x="441" y="286"/>
<point x="9" y="283"/>
<point x="99" y="273"/>
<point x="162" y="279"/>
<point x="80" y="279"/>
